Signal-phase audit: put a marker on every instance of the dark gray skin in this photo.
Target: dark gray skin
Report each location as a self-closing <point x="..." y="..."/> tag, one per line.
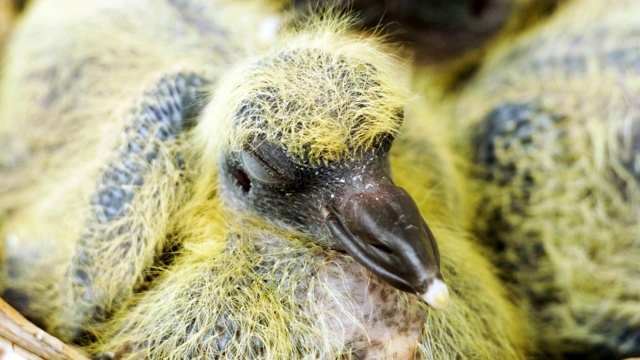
<point x="353" y="206"/>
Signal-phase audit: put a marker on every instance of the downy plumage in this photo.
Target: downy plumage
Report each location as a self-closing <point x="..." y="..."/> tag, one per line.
<point x="174" y="185"/>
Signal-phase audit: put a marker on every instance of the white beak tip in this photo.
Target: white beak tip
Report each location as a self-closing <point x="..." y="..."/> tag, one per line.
<point x="437" y="295"/>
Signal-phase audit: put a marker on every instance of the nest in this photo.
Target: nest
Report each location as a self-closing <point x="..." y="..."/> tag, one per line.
<point x="20" y="339"/>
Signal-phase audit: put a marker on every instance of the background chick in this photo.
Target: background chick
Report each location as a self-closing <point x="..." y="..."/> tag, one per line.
<point x="551" y="125"/>
<point x="156" y="266"/>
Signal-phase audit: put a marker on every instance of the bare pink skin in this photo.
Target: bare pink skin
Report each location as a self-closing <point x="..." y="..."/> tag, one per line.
<point x="375" y="319"/>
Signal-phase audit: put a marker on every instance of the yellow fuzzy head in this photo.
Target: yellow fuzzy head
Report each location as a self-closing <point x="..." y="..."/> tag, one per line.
<point x="319" y="94"/>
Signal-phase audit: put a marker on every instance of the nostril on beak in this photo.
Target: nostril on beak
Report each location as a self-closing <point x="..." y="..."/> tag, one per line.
<point x="383" y="248"/>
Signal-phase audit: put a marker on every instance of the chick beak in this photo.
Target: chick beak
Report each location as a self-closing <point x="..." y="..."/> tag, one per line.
<point x="381" y="227"/>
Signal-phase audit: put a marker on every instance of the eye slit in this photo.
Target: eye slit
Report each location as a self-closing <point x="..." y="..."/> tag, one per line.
<point x="260" y="170"/>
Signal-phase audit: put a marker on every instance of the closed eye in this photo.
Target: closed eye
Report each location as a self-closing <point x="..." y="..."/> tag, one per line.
<point x="259" y="170"/>
<point x="271" y="165"/>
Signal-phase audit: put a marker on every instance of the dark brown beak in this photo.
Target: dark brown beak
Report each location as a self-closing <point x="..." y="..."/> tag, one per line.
<point x="381" y="227"/>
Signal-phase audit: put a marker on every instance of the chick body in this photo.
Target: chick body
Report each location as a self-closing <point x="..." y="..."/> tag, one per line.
<point x="117" y="238"/>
